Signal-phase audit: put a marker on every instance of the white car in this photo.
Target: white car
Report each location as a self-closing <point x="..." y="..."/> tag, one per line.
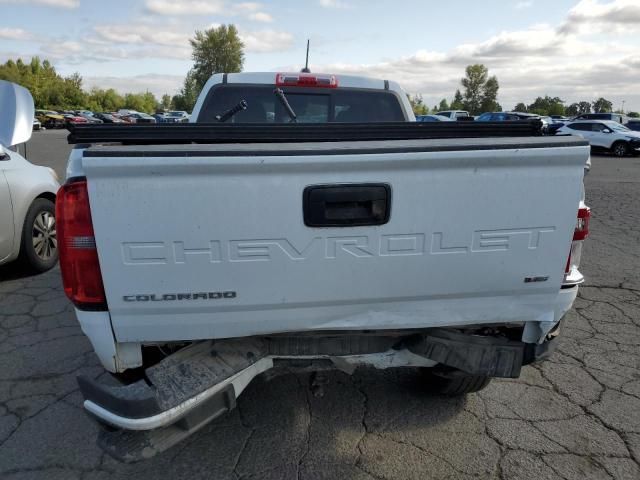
<point x="27" y="192"/>
<point x="455" y="114"/>
<point x="606" y="134"/>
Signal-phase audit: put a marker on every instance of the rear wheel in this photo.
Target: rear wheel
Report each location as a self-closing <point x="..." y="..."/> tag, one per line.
<point x="454" y="383"/>
<point x="619" y="149"/>
<point x="39" y="249"/>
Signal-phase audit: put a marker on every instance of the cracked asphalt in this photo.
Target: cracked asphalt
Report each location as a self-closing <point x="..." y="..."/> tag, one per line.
<point x="576" y="416"/>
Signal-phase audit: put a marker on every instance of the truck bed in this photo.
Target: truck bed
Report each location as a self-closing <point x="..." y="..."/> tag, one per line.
<point x="203" y="241"/>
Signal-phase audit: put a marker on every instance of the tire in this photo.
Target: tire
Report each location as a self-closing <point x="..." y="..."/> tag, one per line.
<point x="454" y="384"/>
<point x="619" y="149"/>
<point x="39" y="248"/>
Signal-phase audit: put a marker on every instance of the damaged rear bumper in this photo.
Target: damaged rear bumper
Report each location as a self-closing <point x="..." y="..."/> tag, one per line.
<point x="199" y="383"/>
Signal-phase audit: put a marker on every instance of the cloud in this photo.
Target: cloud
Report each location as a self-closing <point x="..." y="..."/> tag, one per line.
<point x="260" y="17"/>
<point x="524" y="4"/>
<point x="143" y="33"/>
<point x="47" y="3"/>
<point x="15" y="34"/>
<point x="591" y="16"/>
<point x="157" y="84"/>
<point x="334" y="4"/>
<point x="266" y="41"/>
<point x="184" y="7"/>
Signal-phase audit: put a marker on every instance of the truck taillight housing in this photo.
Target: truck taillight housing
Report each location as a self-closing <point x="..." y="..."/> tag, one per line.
<point x="582" y="226"/>
<point x="81" y="276"/>
<point x="306" y="80"/>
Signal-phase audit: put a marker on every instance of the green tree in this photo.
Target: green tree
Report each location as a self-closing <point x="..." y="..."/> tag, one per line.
<point x="417" y="105"/>
<point x="547" y="106"/>
<point x="602" y="105"/>
<point x="520" y="107"/>
<point x="186" y="99"/>
<point x="443" y="105"/>
<point x="457" y="102"/>
<point x="633" y="115"/>
<point x="480" y="90"/>
<point x="216" y="50"/>
<point x="490" y="96"/>
<point x="578" y="108"/>
<point x="165" y="103"/>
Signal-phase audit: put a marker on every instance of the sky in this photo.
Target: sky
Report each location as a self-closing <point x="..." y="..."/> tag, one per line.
<point x="573" y="49"/>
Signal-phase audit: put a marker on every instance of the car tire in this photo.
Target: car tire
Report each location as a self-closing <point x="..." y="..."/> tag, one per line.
<point x="453" y="383"/>
<point x="619" y="149"/>
<point x="39" y="248"/>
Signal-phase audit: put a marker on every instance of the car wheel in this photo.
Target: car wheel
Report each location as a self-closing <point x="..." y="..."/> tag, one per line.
<point x="39" y="240"/>
<point x="453" y="383"/>
<point x="619" y="149"/>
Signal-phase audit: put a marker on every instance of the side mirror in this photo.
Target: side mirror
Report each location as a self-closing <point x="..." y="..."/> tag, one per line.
<point x="16" y="114"/>
<point x="606" y="130"/>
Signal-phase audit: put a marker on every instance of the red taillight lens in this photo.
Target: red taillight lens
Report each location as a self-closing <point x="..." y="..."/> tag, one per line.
<point x="79" y="264"/>
<point x="306" y="80"/>
<point x="582" y="226"/>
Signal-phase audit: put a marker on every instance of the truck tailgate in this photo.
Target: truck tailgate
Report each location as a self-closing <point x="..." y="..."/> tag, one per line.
<point x="210" y="241"/>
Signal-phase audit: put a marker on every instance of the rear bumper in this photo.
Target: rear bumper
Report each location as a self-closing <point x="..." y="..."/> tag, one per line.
<point x="216" y="373"/>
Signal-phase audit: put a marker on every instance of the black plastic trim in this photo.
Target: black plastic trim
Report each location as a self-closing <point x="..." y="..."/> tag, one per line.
<point x="137" y="400"/>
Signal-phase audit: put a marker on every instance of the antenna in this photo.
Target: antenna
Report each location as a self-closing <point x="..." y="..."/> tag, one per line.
<point x="306" y="64"/>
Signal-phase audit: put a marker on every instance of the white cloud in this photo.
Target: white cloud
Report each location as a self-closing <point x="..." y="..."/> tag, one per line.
<point x="592" y="16"/>
<point x="143" y="33"/>
<point x="266" y="41"/>
<point x="524" y="4"/>
<point x="15" y="34"/>
<point x="334" y="4"/>
<point x="185" y="7"/>
<point x="47" y="3"/>
<point x="260" y="17"/>
<point x="154" y="83"/>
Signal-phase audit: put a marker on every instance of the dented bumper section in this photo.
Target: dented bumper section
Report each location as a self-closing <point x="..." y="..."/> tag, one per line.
<point x="199" y="383"/>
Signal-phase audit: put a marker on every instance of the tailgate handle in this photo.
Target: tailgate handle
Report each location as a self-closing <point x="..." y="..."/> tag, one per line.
<point x="352" y="205"/>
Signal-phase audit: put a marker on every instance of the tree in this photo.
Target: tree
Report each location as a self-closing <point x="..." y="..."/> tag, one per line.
<point x="602" y="105"/>
<point x="188" y="95"/>
<point x="578" y="108"/>
<point x="547" y="106"/>
<point x="443" y="105"/>
<point x="216" y="50"/>
<point x="520" y="107"/>
<point x="165" y="103"/>
<point x="490" y="96"/>
<point x="457" y="103"/>
<point x="633" y="115"/>
<point x="417" y="105"/>
<point x="480" y="90"/>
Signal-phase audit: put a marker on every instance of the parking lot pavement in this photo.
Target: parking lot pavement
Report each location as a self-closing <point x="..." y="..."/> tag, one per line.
<point x="577" y="416"/>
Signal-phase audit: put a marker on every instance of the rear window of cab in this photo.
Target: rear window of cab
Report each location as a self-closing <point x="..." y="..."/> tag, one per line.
<point x="311" y="105"/>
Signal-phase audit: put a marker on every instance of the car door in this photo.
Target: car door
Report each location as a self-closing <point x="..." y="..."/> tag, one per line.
<point x="7" y="231"/>
<point x="600" y="135"/>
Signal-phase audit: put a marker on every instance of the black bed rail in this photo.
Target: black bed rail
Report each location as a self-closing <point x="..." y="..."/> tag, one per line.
<point x="181" y="133"/>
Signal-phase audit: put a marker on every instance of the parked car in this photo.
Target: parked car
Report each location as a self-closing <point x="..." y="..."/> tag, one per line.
<point x="455" y="114"/>
<point x="139" y="118"/>
<point x="36" y="124"/>
<point x="341" y="243"/>
<point x="559" y="118"/>
<point x="108" y="117"/>
<point x="176" y="116"/>
<point x="27" y="191"/>
<point x="605" y="134"/>
<point x="432" y="118"/>
<point x="73" y="119"/>
<point x="497" y="117"/>
<point x="90" y="117"/>
<point x="616" y="117"/>
<point x="160" y="117"/>
<point x="50" y="119"/>
<point x="633" y="124"/>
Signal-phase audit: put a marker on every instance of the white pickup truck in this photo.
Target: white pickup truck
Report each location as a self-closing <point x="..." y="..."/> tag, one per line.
<point x="307" y="217"/>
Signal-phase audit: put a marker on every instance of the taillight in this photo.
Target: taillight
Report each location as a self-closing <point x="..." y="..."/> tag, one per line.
<point x="79" y="264"/>
<point x="582" y="226"/>
<point x="306" y="80"/>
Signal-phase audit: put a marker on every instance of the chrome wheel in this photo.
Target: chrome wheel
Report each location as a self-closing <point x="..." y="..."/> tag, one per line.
<point x="45" y="242"/>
